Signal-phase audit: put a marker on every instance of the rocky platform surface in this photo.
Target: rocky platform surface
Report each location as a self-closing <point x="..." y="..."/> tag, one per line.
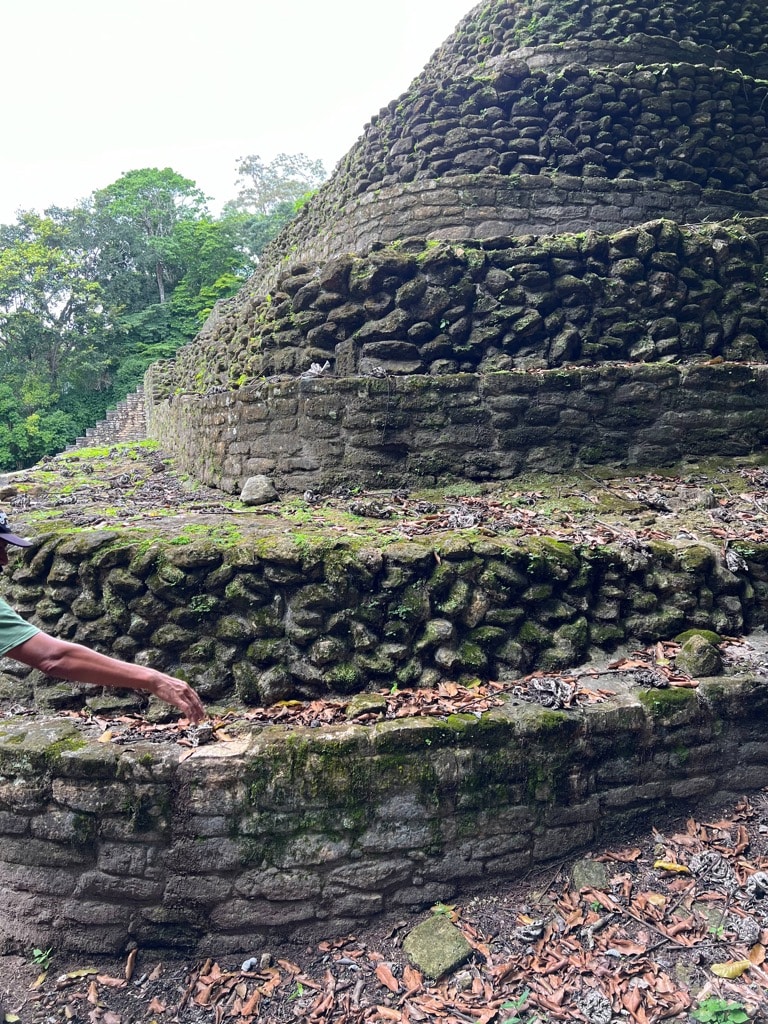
<point x="718" y="501"/>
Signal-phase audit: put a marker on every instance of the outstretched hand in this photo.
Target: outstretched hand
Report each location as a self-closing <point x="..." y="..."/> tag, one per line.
<point x="180" y="694"/>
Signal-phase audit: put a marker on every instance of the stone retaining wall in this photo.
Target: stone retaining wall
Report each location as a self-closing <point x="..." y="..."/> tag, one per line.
<point x="418" y="430"/>
<point x="620" y="138"/>
<point x="653" y="292"/>
<point x="273" y="617"/>
<point x="125" y="423"/>
<point x="582" y="88"/>
<point x="489" y="206"/>
<point x="490" y="29"/>
<point x="308" y="832"/>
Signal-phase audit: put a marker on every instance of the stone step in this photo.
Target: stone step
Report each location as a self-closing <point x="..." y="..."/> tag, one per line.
<point x="126" y="422"/>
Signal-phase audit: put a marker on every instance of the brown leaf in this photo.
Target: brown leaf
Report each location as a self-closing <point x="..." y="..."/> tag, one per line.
<point x="742" y="842"/>
<point x="104" y="979"/>
<point x="602" y="898"/>
<point x="623" y="856"/>
<point x="289" y="966"/>
<point x="130" y="963"/>
<point x="385" y="1013"/>
<point x="757" y="954"/>
<point x="680" y="926"/>
<point x="486" y="1016"/>
<point x="251" y="1005"/>
<point x="387" y="978"/>
<point x="412" y="979"/>
<point x="627" y="947"/>
<point x="272" y="983"/>
<point x="204" y="993"/>
<point x="156" y="1006"/>
<point x="631" y="999"/>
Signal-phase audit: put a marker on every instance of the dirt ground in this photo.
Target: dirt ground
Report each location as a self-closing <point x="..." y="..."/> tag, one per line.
<point x="718" y="502"/>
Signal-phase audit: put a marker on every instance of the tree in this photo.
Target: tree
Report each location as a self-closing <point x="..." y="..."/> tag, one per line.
<point x="56" y="339"/>
<point x="286" y="179"/>
<point x="144" y="209"/>
<point x="91" y="296"/>
<point x="52" y="319"/>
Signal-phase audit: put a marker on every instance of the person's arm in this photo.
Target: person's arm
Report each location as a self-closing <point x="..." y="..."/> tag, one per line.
<point x="64" y="660"/>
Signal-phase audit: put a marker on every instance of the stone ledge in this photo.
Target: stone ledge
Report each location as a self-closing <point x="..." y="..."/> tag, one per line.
<point x="422" y="430"/>
<point x="292" y="832"/>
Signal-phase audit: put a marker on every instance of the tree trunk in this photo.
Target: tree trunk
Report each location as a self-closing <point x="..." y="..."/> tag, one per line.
<point x="160" y="283"/>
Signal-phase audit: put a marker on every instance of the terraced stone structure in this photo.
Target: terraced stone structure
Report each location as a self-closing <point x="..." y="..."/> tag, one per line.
<point x="566" y="186"/>
<point x="550" y="252"/>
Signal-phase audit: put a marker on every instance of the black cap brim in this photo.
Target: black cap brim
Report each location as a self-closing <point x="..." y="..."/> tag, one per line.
<point x="11" y="538"/>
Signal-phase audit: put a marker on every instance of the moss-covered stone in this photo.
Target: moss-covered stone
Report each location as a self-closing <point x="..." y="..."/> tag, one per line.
<point x="668" y="704"/>
<point x="437" y="947"/>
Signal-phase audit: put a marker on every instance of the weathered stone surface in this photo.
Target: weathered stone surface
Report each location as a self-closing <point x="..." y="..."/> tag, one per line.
<point x="589" y="874"/>
<point x="282" y="829"/>
<point x="278" y="620"/>
<point x="471" y="425"/>
<point x="436" y="946"/>
<point x="556" y="263"/>
<point x="258" y="490"/>
<point x="698" y="657"/>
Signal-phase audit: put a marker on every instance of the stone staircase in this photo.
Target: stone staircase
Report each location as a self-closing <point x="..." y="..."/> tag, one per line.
<point x="126" y="422"/>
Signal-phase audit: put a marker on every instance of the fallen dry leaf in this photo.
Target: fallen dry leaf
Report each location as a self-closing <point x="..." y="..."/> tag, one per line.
<point x="671" y="865"/>
<point x="757" y="954"/>
<point x="387" y="978"/>
<point x="385" y="1013"/>
<point x="731" y="969"/>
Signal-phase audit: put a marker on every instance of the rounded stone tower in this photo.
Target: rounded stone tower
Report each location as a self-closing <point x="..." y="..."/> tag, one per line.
<point x="564" y="210"/>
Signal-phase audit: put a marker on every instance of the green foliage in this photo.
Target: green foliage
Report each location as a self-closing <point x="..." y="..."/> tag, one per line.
<point x="92" y="296"/>
<point x="42" y="957"/>
<point x="150" y="207"/>
<point x="256" y="230"/>
<point x="298" y="991"/>
<point x="718" y="1011"/>
<point x="515" y="1004"/>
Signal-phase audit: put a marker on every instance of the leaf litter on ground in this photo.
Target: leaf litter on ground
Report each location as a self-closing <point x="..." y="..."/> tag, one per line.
<point x="650" y="945"/>
<point x="644" y="947"/>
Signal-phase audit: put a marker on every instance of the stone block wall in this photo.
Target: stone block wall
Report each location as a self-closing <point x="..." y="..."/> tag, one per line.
<point x="421" y="430"/>
<point x="125" y="423"/>
<point x="447" y="162"/>
<point x="493" y="29"/>
<point x="576" y="155"/>
<point x="309" y="832"/>
<point x="263" y="618"/>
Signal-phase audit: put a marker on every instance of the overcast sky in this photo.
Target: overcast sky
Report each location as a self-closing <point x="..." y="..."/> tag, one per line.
<point x="93" y="88"/>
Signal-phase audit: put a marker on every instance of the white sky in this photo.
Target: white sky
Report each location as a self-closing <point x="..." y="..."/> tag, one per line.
<point x="93" y="88"/>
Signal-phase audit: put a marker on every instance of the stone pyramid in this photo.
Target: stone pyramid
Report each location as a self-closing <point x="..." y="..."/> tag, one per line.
<point x="549" y="251"/>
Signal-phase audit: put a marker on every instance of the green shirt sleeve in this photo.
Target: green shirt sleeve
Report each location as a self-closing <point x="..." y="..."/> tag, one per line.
<point x="13" y="629"/>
